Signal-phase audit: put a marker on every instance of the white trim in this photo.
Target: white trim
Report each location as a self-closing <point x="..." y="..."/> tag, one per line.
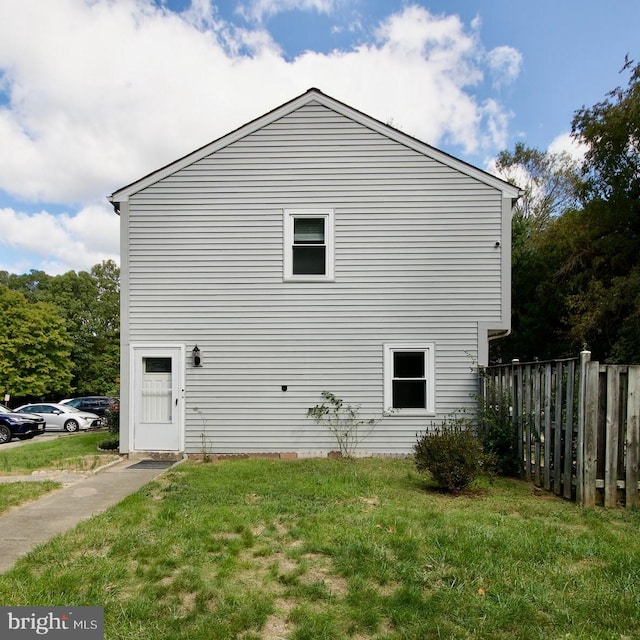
<point x="125" y="425"/>
<point x="507" y="214"/>
<point x="429" y="349"/>
<point x="289" y="216"/>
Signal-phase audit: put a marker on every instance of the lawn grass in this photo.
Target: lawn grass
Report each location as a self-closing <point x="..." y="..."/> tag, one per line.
<point x="77" y="452"/>
<point x="16" y="493"/>
<point x="331" y="549"/>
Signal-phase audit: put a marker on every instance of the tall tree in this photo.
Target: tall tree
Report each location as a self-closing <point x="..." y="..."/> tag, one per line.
<point x="103" y="371"/>
<point x="89" y="305"/>
<point x="34" y="347"/>
<point x="548" y="183"/>
<point x="605" y="303"/>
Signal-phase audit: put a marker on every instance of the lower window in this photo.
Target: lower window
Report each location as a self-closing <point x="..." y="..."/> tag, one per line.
<point x="409" y="378"/>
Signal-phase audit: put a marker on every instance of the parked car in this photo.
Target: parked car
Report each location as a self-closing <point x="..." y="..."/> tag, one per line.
<point x="19" y="425"/>
<point x="94" y="404"/>
<point x="61" y="416"/>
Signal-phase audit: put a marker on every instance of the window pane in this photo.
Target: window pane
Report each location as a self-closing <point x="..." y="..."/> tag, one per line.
<point x="408" y="364"/>
<point x="308" y="231"/>
<point x="157" y="365"/>
<point x="409" y="394"/>
<point x="308" y="260"/>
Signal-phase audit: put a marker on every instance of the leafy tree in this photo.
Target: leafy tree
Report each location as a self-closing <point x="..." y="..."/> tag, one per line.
<point x="34" y="347"/>
<point x="576" y="238"/>
<point x="604" y="307"/>
<point x="89" y="305"/>
<point x="548" y="182"/>
<point x="103" y="372"/>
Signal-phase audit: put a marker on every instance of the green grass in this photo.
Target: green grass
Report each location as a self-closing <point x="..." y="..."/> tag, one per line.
<point x="329" y="549"/>
<point x="76" y="452"/>
<point x="69" y="453"/>
<point x="16" y="493"/>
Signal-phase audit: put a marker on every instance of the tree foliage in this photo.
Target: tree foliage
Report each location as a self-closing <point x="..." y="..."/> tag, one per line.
<point x="87" y="303"/>
<point x="605" y="311"/>
<point x="34" y="347"/>
<point x="548" y="182"/>
<point x="576" y="239"/>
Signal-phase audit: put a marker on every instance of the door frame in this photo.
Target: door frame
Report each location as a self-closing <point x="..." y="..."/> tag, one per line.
<point x="157" y="349"/>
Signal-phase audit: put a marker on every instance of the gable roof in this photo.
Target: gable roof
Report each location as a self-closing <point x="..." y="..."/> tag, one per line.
<point x="314" y="95"/>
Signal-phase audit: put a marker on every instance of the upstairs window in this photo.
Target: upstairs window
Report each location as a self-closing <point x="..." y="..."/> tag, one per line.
<point x="308" y="244"/>
<point x="409" y="384"/>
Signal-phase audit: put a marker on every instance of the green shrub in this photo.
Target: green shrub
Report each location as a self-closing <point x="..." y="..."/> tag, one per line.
<point x="113" y="420"/>
<point x="112" y="444"/>
<point x="498" y="433"/>
<point x="451" y="453"/>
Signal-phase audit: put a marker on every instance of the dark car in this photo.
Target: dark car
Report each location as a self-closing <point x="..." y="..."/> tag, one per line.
<point x="94" y="404"/>
<point x="19" y="425"/>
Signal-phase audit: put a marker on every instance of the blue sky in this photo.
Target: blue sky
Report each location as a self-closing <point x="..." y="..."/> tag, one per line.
<point x="95" y="94"/>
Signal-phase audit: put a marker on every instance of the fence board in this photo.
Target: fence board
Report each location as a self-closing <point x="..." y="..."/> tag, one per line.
<point x="633" y="437"/>
<point x="546" y="456"/>
<point x="537" y="408"/>
<point x="611" y="436"/>
<point x="558" y="431"/>
<point x="516" y="372"/>
<point x="568" y="432"/>
<point x="527" y="409"/>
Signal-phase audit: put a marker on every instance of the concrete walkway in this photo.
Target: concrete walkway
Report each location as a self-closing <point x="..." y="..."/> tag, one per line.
<point x="23" y="528"/>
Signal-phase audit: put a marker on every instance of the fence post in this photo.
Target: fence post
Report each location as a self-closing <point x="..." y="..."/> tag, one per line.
<point x="585" y="357"/>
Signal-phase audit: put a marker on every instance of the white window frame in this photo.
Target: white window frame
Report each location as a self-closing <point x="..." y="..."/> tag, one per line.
<point x="429" y="350"/>
<point x="289" y="216"/>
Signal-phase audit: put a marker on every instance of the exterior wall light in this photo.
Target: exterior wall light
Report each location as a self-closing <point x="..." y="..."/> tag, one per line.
<point x="197" y="362"/>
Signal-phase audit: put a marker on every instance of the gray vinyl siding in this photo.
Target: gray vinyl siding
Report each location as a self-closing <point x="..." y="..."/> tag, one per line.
<point x="415" y="261"/>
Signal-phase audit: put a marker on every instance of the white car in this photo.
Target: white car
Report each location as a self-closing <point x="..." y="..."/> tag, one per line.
<point x="61" y="416"/>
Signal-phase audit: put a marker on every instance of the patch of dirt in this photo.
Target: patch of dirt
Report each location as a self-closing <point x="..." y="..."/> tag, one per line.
<point x="320" y="571"/>
<point x="387" y="590"/>
<point x="277" y="625"/>
<point x="187" y="604"/>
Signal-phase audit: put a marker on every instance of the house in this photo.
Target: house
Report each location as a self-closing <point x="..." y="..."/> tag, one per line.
<point x="315" y="248"/>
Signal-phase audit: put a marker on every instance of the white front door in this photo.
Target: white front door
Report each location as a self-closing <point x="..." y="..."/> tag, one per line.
<point x="157" y="401"/>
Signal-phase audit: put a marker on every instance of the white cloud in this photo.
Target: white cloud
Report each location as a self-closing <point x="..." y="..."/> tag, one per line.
<point x="504" y="65"/>
<point x="104" y="91"/>
<point x="565" y="143"/>
<point x="64" y="242"/>
<point x="257" y="10"/>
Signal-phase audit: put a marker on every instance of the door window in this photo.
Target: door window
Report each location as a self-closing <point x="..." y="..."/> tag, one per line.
<point x="157" y="392"/>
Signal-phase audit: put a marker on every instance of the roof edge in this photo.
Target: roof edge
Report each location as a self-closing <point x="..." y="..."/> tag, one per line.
<point x="123" y="194"/>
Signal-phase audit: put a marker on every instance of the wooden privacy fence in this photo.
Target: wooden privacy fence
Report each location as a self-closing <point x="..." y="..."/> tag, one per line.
<point x="577" y="425"/>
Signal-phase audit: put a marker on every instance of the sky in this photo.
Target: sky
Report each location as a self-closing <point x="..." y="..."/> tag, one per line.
<point x="95" y="94"/>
